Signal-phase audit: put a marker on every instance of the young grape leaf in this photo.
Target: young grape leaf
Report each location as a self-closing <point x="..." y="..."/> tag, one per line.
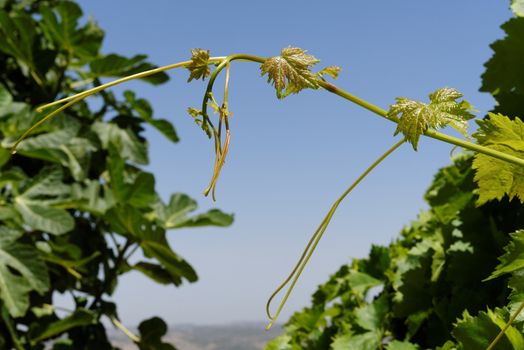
<point x="443" y="109"/>
<point x="199" y="66"/>
<point x="497" y="178"/>
<point x="513" y="258"/>
<point x="517" y="6"/>
<point x="516" y="297"/>
<point x="290" y="72"/>
<point x="401" y="345"/>
<point x="281" y="342"/>
<point x="331" y="71"/>
<point x="198" y="117"/>
<point x="477" y="332"/>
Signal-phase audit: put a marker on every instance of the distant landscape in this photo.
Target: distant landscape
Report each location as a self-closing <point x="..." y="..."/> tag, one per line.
<point x="241" y="336"/>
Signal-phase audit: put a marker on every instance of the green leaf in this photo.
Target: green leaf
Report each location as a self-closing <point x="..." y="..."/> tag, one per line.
<point x="361" y="282"/>
<point x="124" y="140"/>
<point x="516" y="297"/>
<point x="500" y="79"/>
<point x="497" y="178"/>
<point x="290" y="72"/>
<point x="60" y="26"/>
<point x="48" y="219"/>
<point x="499" y="75"/>
<point x="142" y="192"/>
<point x="21" y="271"/>
<point x="371" y="316"/>
<point x="364" y="341"/>
<point x="80" y="317"/>
<point x="517" y="6"/>
<point x="176" y="214"/>
<point x="401" y="345"/>
<point x="151" y="333"/>
<point x="443" y="109"/>
<point x="199" y="66"/>
<point x="114" y="65"/>
<point x="92" y="196"/>
<point x="146" y="113"/>
<point x="18" y="37"/>
<point x="513" y="258"/>
<point x="281" y="342"/>
<point x="478" y="332"/>
<point x="156" y="272"/>
<point x="5" y="97"/>
<point x="136" y="189"/>
<point x="35" y="203"/>
<point x="127" y="220"/>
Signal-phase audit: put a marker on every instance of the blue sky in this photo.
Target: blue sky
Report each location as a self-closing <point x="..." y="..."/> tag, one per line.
<point x="289" y="160"/>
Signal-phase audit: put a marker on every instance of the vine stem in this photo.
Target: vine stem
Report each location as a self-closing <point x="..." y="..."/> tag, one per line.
<point x="430" y="133"/>
<point x="313" y="242"/>
<point x="503" y="330"/>
<point x="71" y="100"/>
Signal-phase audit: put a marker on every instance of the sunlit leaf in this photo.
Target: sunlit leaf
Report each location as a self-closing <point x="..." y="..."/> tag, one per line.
<point x="478" y="332"/>
<point x="199" y="66"/>
<point x="513" y="258"/>
<point x="497" y="178"/>
<point x="290" y="72"/>
<point x="443" y="109"/>
<point x="517" y="6"/>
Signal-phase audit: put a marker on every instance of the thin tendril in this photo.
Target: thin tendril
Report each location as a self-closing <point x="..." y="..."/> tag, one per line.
<point x="220" y="151"/>
<point x="43" y="120"/>
<point x="313" y="242"/>
<point x="503" y="330"/>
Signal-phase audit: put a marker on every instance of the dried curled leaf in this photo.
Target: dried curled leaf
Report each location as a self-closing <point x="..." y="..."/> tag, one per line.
<point x="497" y="178"/>
<point x="199" y="66"/>
<point x="443" y="109"/>
<point x="290" y="72"/>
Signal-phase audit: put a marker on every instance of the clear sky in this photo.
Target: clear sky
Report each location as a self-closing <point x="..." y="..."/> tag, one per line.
<point x="290" y="159"/>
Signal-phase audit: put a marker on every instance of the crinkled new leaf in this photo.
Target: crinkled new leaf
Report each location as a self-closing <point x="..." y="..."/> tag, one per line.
<point x="199" y="66"/>
<point x="443" y="109"/>
<point x="290" y="72"/>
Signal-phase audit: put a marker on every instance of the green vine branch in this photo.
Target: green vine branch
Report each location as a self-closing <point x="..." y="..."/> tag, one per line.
<point x="429" y="133"/>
